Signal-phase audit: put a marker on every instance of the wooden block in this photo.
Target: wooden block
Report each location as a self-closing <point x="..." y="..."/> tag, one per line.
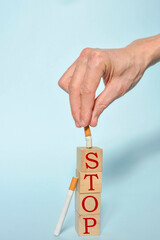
<point x="87" y="225"/>
<point x="89" y="159"/>
<point x="87" y="203"/>
<point x="89" y="182"/>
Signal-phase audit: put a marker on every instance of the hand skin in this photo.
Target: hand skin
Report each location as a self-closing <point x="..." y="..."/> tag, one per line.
<point x="121" y="69"/>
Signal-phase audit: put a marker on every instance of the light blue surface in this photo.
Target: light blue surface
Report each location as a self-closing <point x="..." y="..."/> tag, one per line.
<point x="38" y="139"/>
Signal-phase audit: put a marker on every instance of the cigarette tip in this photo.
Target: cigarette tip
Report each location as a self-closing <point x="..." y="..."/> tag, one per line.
<point x="56" y="233"/>
<point x="88" y="142"/>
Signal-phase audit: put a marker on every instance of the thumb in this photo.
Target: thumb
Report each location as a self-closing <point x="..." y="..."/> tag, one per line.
<point x="107" y="96"/>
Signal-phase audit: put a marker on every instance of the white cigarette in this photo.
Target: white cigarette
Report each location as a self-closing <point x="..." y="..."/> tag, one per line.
<point x="65" y="206"/>
<point x="88" y="137"/>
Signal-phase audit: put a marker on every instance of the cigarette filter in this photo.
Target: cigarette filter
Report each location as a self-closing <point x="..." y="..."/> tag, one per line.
<point x="88" y="137"/>
<point x="66" y="206"/>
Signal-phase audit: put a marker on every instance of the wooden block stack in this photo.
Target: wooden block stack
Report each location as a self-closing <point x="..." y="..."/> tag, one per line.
<point x="88" y="193"/>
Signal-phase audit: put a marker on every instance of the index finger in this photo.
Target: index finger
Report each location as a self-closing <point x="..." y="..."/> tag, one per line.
<point x="64" y="81"/>
<point x="89" y="86"/>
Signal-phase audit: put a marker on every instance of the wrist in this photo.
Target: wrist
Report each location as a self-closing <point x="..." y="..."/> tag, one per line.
<point x="146" y="51"/>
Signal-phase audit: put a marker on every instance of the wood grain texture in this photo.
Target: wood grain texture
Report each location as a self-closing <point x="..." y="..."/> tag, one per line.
<point x="87" y="225"/>
<point x="88" y="159"/>
<point x="84" y="182"/>
<point x="87" y="203"/>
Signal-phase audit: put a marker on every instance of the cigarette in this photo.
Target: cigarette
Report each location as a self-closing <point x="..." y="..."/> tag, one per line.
<point x="66" y="206"/>
<point x="88" y="137"/>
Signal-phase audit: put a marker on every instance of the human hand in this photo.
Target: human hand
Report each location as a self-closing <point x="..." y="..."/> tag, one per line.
<point x="121" y="69"/>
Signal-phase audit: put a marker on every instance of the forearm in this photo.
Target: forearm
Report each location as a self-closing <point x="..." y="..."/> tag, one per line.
<point x="147" y="50"/>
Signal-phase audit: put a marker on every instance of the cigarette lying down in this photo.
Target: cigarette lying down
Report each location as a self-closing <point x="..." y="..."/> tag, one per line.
<point x="88" y="137"/>
<point x="66" y="206"/>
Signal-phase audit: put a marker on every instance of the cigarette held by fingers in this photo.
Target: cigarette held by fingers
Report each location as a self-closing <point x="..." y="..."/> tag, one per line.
<point x="66" y="206"/>
<point x="88" y="137"/>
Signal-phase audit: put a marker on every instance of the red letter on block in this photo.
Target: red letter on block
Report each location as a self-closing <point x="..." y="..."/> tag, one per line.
<point x="96" y="204"/>
<point x="92" y="160"/>
<point x="91" y="180"/>
<point x="87" y="226"/>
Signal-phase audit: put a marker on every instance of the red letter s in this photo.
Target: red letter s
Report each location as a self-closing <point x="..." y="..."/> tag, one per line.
<point x="92" y="160"/>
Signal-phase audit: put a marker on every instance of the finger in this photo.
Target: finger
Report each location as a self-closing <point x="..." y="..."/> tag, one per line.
<point x="89" y="86"/>
<point x="66" y="77"/>
<point x="109" y="94"/>
<point x="74" y="88"/>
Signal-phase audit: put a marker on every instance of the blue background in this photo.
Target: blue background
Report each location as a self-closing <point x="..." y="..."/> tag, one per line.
<point x="38" y="42"/>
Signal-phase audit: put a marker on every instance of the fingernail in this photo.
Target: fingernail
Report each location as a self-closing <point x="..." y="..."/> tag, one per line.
<point x="77" y="124"/>
<point x="82" y="123"/>
<point x="94" y="121"/>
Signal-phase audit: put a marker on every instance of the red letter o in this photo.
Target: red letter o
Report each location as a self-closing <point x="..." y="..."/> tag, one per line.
<point x="96" y="204"/>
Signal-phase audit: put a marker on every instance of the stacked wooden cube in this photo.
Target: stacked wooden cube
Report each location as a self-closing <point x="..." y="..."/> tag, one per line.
<point x="88" y="192"/>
